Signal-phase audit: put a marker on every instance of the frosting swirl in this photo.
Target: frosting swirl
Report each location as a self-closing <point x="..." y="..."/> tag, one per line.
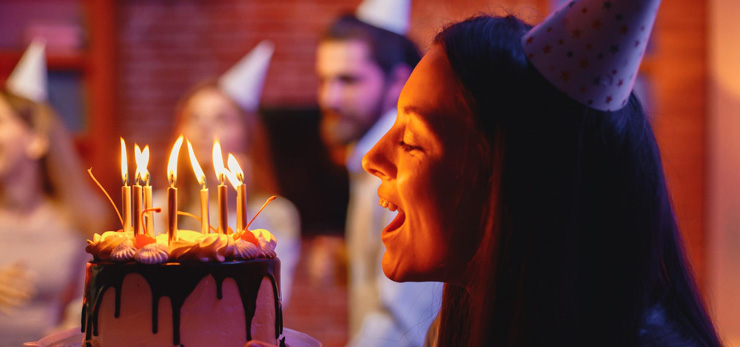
<point x="151" y="254"/>
<point x="124" y="252"/>
<point x="267" y="243"/>
<point x="193" y="246"/>
<point x="244" y="250"/>
<point x="102" y="246"/>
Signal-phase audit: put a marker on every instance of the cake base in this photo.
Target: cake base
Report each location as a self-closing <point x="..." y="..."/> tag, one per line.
<point x="191" y="304"/>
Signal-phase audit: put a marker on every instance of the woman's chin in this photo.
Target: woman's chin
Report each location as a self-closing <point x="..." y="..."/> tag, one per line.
<point x="397" y="271"/>
<point x="392" y="269"/>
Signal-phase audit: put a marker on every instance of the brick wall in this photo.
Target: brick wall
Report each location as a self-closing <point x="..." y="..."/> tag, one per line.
<point x="164" y="47"/>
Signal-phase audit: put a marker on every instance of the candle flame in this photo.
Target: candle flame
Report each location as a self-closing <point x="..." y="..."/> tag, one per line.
<point x="172" y="164"/>
<point x="196" y="167"/>
<point x="218" y="162"/>
<point x="142" y="160"/>
<point x="124" y="163"/>
<point x="234" y="173"/>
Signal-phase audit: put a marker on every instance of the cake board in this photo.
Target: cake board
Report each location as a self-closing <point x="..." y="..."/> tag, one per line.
<point x="73" y="337"/>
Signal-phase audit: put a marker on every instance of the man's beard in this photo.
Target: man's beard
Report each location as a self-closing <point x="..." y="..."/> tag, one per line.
<point x="336" y="130"/>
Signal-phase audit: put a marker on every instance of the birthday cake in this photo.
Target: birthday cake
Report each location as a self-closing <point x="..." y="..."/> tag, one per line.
<point x="194" y="290"/>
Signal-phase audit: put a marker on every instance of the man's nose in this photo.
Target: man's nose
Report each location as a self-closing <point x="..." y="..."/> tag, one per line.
<point x="329" y="96"/>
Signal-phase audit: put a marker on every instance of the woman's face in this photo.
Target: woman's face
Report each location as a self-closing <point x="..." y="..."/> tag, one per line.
<point x="210" y="115"/>
<point x="419" y="162"/>
<point x="15" y="139"/>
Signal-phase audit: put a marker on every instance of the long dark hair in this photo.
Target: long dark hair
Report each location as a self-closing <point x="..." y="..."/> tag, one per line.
<point x="578" y="242"/>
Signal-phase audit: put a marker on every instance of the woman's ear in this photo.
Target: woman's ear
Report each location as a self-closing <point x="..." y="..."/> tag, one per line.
<point x="38" y="146"/>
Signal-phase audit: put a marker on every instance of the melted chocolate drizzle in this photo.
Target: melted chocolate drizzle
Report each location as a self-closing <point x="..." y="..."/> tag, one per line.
<point x="176" y="281"/>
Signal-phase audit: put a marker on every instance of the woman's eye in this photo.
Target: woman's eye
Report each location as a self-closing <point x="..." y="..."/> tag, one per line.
<point x="407" y="147"/>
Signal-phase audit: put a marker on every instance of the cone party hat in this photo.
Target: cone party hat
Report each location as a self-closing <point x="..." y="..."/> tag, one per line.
<point x="244" y="81"/>
<point x="391" y="15"/>
<point x="592" y="49"/>
<point x="28" y="79"/>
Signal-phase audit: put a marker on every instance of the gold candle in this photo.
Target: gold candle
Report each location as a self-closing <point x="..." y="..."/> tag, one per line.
<point x="204" y="224"/>
<point x="172" y="192"/>
<point x="171" y="214"/>
<point x="137" y="208"/>
<point x="237" y="180"/>
<point x="138" y="189"/>
<point x="141" y="170"/>
<point x="126" y="193"/>
<point x="218" y="166"/>
<point x="149" y="214"/>
<point x="125" y="190"/>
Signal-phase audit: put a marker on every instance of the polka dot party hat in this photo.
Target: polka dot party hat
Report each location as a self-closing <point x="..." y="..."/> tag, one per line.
<point x="592" y="49"/>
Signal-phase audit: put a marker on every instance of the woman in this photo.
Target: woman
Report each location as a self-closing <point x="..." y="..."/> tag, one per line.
<point x="207" y="113"/>
<point x="46" y="210"/>
<point x="549" y="221"/>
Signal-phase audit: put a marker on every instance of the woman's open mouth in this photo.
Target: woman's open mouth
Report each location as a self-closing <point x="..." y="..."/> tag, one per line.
<point x="396" y="223"/>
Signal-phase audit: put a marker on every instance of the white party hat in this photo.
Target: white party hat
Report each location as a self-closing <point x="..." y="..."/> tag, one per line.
<point x="28" y="79"/>
<point x="244" y="81"/>
<point x="391" y="15"/>
<point x="592" y="49"/>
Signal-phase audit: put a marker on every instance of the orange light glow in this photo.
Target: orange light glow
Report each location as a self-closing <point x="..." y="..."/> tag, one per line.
<point x="235" y="173"/>
<point x="196" y="167"/>
<point x="172" y="164"/>
<point x="124" y="163"/>
<point x="142" y="161"/>
<point x="218" y="162"/>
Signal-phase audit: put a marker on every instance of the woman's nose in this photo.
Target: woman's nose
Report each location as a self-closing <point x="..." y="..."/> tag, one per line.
<point x="379" y="161"/>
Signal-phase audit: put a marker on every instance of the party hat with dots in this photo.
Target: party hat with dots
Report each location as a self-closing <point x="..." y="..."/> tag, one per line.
<point x="28" y="79"/>
<point x="391" y="15"/>
<point x="592" y="49"/>
<point x="244" y="81"/>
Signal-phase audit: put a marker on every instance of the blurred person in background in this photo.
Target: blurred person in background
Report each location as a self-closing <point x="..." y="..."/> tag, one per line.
<point x="227" y="110"/>
<point x="362" y="63"/>
<point x="47" y="209"/>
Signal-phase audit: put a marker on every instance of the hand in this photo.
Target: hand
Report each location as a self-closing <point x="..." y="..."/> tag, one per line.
<point x="255" y="343"/>
<point x="16" y="287"/>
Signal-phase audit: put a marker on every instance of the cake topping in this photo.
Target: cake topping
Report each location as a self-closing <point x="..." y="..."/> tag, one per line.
<point x="267" y="243"/>
<point x="151" y="254"/>
<point x="124" y="252"/>
<point x="193" y="246"/>
<point x="102" y="246"/>
<point x="244" y="250"/>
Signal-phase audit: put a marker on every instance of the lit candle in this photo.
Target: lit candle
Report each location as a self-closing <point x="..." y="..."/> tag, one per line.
<point x="125" y="190"/>
<point x="204" y="226"/>
<point x="142" y="161"/>
<point x="137" y="191"/>
<point x="218" y="166"/>
<point x="237" y="180"/>
<point x="172" y="192"/>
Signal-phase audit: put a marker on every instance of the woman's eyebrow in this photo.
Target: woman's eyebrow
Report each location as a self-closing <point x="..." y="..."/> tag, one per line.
<point x="413" y="109"/>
